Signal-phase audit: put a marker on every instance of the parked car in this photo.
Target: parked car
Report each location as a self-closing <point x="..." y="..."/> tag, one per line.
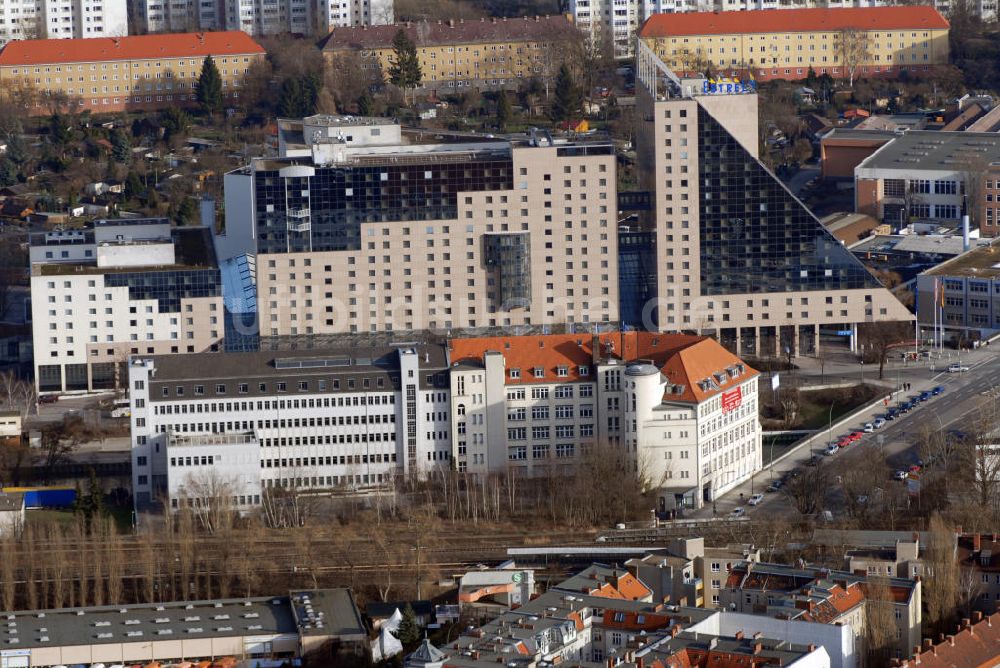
<point x="937" y="390"/>
<point x="925" y="395"/>
<point x="957" y="368"/>
<point x="755" y="499"/>
<point x="900" y="475"/>
<point x="892" y="414"/>
<point x="48" y="398"/>
<point x="878" y="423"/>
<point x="775" y="486"/>
<point x="738" y="512"/>
<point x="844" y="442"/>
<point x="831" y="450"/>
<point x="869" y="427"/>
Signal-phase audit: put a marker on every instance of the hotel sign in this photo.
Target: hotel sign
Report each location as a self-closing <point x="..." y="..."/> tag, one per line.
<point x="728" y="87"/>
<point x="731" y="400"/>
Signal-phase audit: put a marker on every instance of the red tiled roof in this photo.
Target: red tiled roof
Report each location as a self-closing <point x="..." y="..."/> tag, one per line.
<point x="684" y="359"/>
<point x="974" y="646"/>
<point x="433" y="33"/>
<point x="138" y="47"/>
<point x="630" y="620"/>
<point x="792" y="20"/>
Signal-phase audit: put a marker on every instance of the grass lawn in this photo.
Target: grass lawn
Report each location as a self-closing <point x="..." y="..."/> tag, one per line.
<point x="814" y="407"/>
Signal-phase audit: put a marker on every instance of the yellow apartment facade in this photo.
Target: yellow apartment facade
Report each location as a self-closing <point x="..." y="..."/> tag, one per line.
<point x="465" y="55"/>
<point x="785" y="43"/>
<point x="145" y="72"/>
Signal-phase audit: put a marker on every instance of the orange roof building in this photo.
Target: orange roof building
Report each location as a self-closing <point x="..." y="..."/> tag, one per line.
<point x="785" y="43"/>
<point x="114" y="74"/>
<point x="682" y="405"/>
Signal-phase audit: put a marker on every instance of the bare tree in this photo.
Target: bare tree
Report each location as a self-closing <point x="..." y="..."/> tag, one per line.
<point x="878" y="338"/>
<point x="807" y="491"/>
<point x="941" y="581"/>
<point x="853" y="51"/>
<point x="880" y="620"/>
<point x="210" y="497"/>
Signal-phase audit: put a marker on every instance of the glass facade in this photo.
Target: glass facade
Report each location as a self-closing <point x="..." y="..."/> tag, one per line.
<point x="509" y="255"/>
<point x="756" y="237"/>
<point x="50" y="378"/>
<point x="636" y="276"/>
<point x="324" y="212"/>
<point x="168" y="287"/>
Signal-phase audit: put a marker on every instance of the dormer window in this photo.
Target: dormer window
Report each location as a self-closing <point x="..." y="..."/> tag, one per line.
<point x="562" y="371"/>
<point x="515" y="373"/>
<point x="538" y="372"/>
<point x="584" y="370"/>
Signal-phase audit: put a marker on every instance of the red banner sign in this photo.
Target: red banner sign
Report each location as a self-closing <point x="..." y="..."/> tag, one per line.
<point x="731" y="400"/>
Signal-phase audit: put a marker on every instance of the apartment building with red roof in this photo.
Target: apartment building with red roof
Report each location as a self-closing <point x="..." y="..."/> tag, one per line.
<point x="682" y="406"/>
<point x="112" y="74"/>
<point x="786" y="43"/>
<point x="823" y="596"/>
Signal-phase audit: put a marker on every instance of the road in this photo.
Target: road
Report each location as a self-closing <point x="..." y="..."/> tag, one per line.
<point x="961" y="398"/>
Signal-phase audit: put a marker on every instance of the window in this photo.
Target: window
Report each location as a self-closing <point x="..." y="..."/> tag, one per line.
<point x="220" y="389"/>
<point x="515" y="373"/>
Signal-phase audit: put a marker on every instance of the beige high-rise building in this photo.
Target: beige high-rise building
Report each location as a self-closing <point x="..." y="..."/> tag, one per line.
<point x="737" y="255"/>
<point x="359" y="226"/>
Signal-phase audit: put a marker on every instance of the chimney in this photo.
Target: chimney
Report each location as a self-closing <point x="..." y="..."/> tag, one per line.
<point x="739" y="635"/>
<point x="758" y="647"/>
<point x="451" y="23"/>
<point x="928" y="643"/>
<point x="977" y="542"/>
<point x="977" y="617"/>
<point x="611" y="663"/>
<point x="493" y="20"/>
<point x="640" y="662"/>
<point x="916" y="650"/>
<point x="951" y="640"/>
<point x="812" y="647"/>
<point x="965" y="623"/>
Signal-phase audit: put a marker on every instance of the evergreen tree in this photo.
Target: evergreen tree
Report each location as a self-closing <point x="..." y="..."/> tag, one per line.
<point x="409" y="630"/>
<point x="8" y="172"/>
<point x="187" y="211"/>
<point x="121" y="147"/>
<point x="290" y="99"/>
<point x="175" y="121"/>
<point x="568" y="97"/>
<point x="209" y="91"/>
<point x="311" y="85"/>
<point x="366" y="106"/>
<point x="504" y="111"/>
<point x="405" y="69"/>
<point x="134" y="189"/>
<point x="60" y="131"/>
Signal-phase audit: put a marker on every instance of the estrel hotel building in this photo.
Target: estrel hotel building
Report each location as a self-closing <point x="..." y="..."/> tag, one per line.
<point x="457" y="54"/>
<point x="785" y="43"/>
<point x="359" y="227"/>
<point x="737" y="255"/>
<point x="111" y="74"/>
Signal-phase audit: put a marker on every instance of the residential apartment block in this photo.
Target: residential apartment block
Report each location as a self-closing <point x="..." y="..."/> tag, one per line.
<point x="488" y="54"/>
<point x="338" y="418"/>
<point x="737" y="255"/>
<point x="930" y="177"/>
<point x="358" y="227"/>
<point x="681" y="408"/>
<point x="689" y="573"/>
<point x="62" y="19"/>
<point x="119" y="288"/>
<point x="785" y="43"/>
<point x="112" y="74"/>
<point x="829" y="597"/>
<point x="603" y="616"/>
<point x="259" y="18"/>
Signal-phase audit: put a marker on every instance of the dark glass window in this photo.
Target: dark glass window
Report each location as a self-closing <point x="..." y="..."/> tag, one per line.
<point x="755" y="235"/>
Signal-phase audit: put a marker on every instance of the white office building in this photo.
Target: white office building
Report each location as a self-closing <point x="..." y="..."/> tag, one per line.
<point x="119" y="288"/>
<point x="349" y="418"/>
<point x="682" y="408"/>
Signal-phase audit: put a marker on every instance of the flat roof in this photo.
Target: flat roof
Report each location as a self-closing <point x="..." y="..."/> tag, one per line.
<point x="193" y="249"/>
<point x="923" y="244"/>
<point x="269" y="367"/>
<point x="928" y="149"/>
<point x="11" y="501"/>
<point x="854" y="134"/>
<point x="982" y="262"/>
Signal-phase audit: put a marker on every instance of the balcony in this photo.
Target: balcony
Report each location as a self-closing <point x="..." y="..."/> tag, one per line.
<point x="299" y="220"/>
